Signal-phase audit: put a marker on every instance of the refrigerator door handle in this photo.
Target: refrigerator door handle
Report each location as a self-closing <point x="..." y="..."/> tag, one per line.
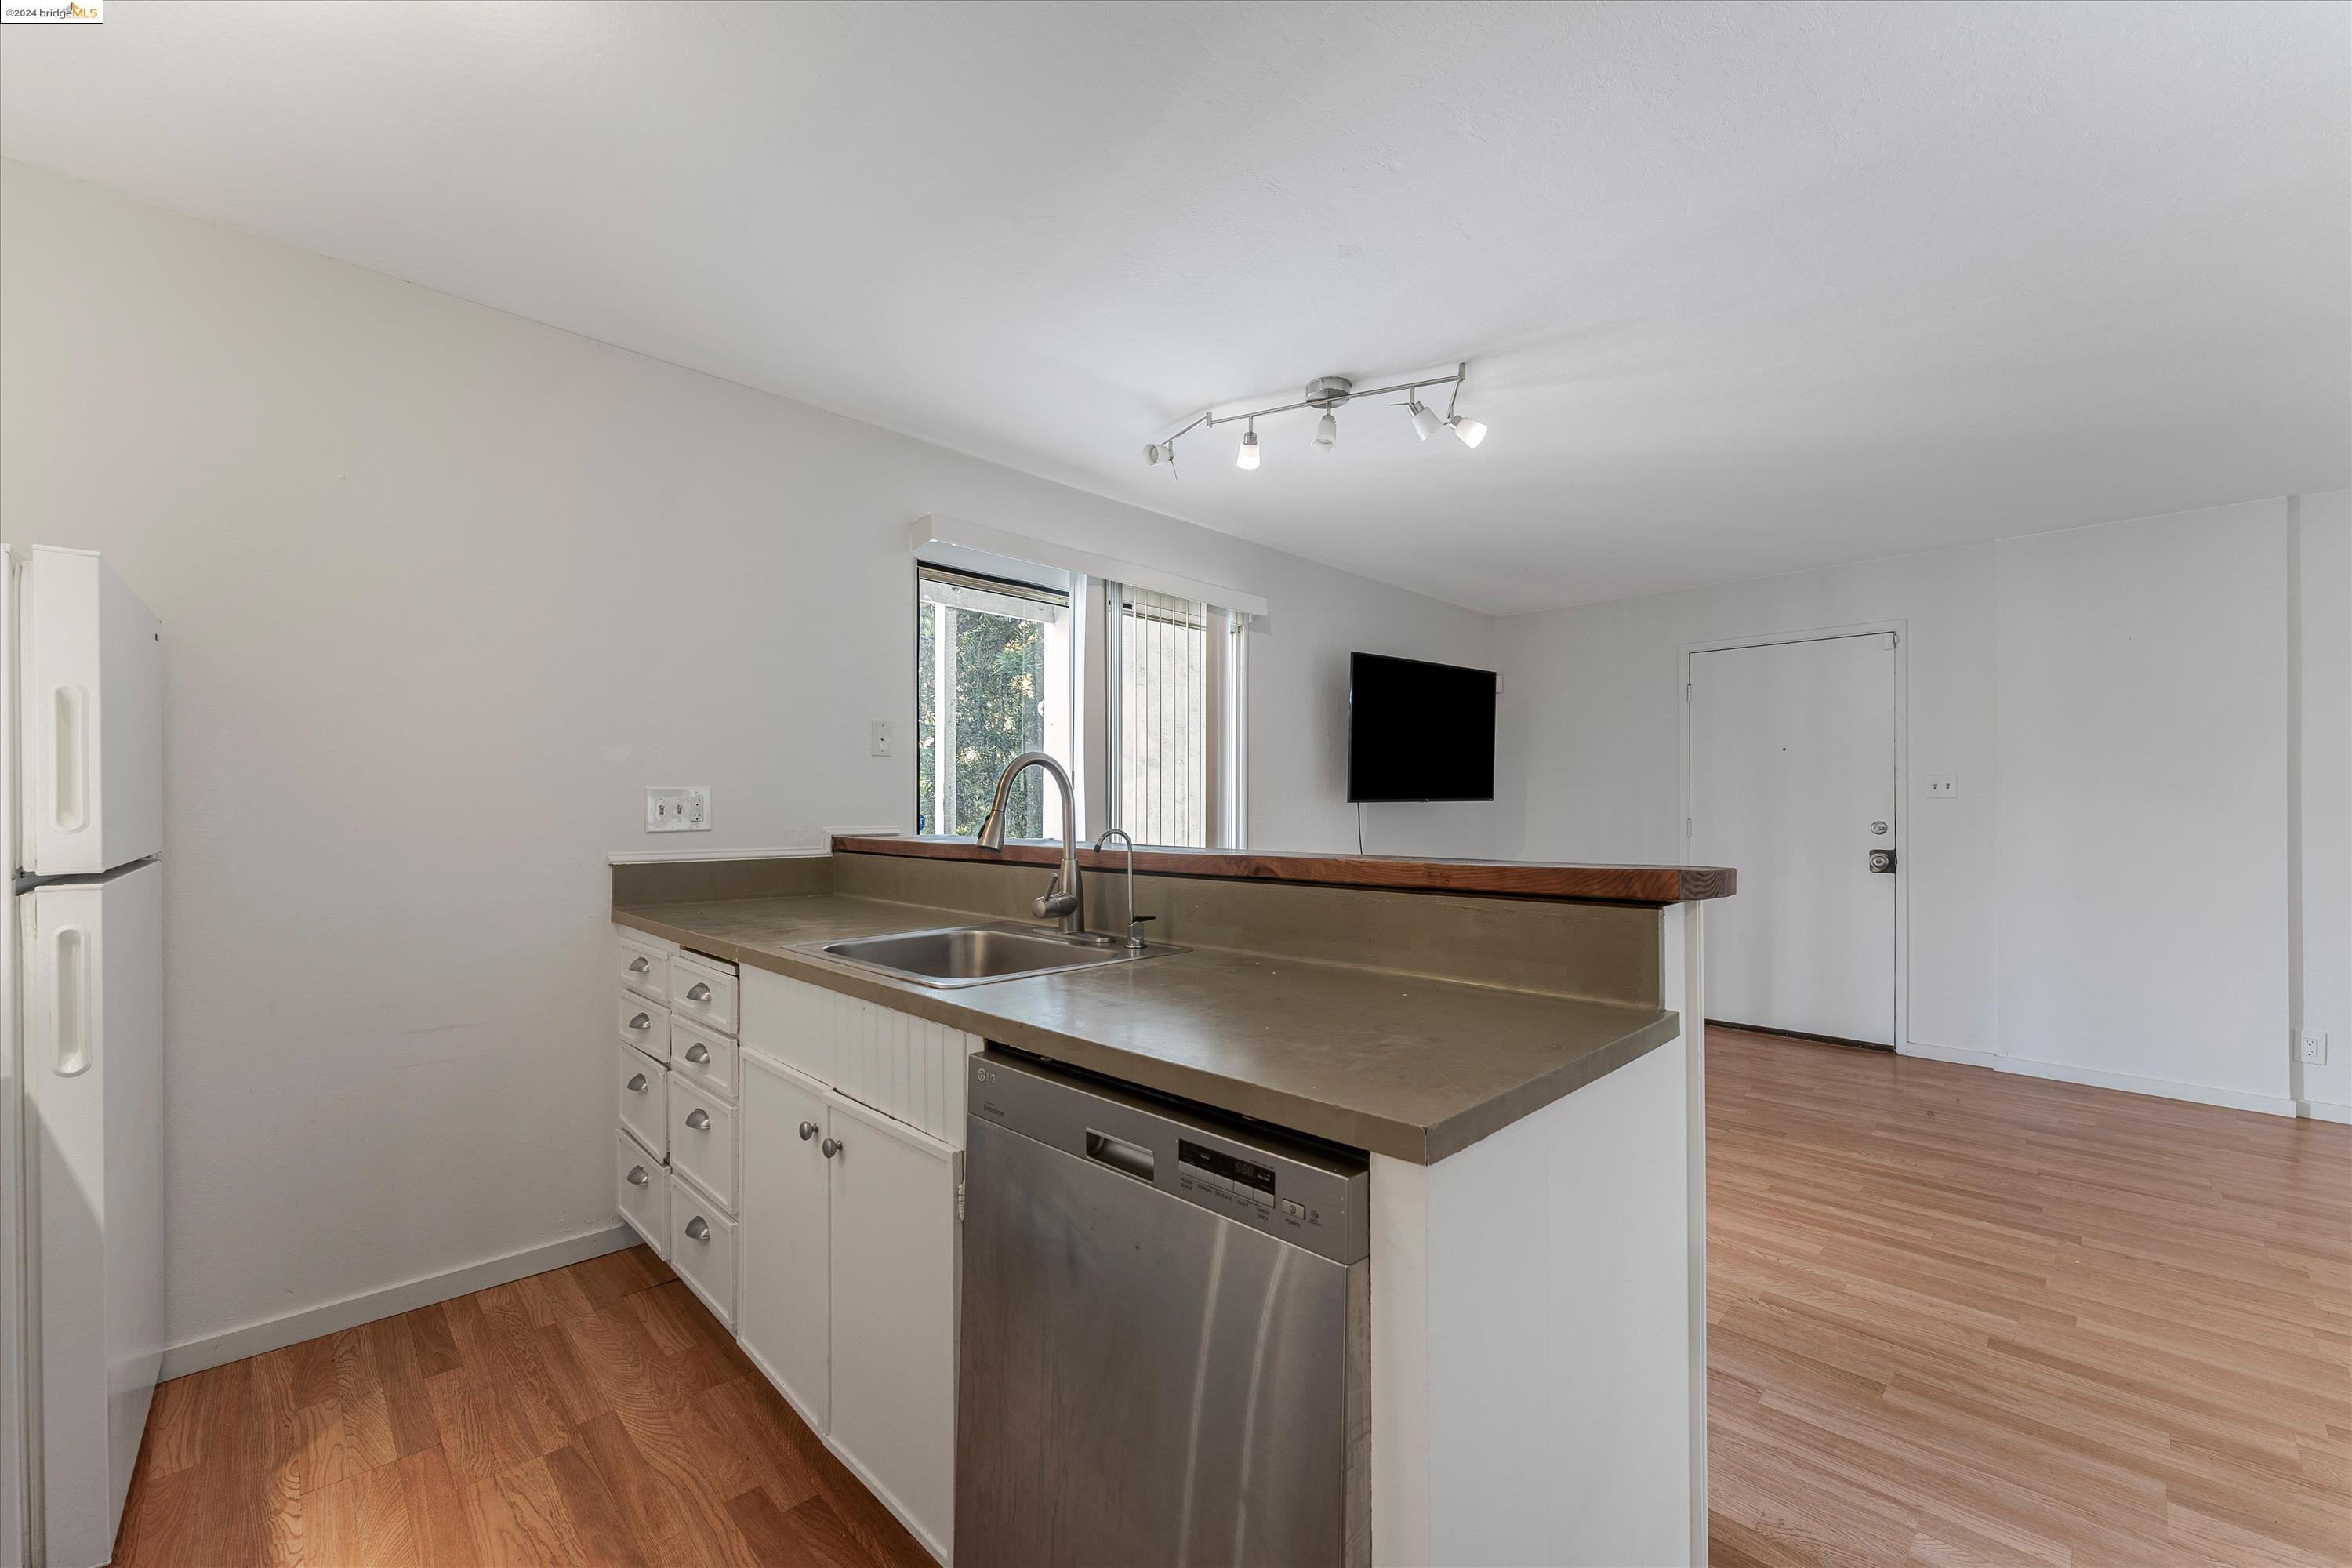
<point x="69" y="793"/>
<point x="70" y="988"/>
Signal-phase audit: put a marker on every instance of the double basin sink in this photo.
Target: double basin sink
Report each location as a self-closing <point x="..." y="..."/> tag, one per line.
<point x="953" y="956"/>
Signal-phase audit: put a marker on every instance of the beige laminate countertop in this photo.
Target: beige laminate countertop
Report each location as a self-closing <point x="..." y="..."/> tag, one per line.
<point x="1400" y="1065"/>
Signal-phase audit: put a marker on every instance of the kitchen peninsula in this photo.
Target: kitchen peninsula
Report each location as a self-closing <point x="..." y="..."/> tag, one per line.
<point x="1513" y="1048"/>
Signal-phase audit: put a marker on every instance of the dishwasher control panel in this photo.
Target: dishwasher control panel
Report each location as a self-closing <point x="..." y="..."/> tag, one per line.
<point x="1311" y="1195"/>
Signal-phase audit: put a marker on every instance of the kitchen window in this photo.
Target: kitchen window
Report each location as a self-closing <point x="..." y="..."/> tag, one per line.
<point x="1137" y="692"/>
<point x="993" y="680"/>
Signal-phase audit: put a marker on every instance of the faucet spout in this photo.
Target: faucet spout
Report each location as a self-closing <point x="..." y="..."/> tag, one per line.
<point x="1065" y="897"/>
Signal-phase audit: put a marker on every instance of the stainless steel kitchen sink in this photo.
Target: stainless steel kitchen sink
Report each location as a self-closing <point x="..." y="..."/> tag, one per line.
<point x="978" y="954"/>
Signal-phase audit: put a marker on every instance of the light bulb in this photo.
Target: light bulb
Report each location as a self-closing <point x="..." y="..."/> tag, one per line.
<point x="1469" y="429"/>
<point x="1326" y="434"/>
<point x="1425" y="422"/>
<point x="1248" y="458"/>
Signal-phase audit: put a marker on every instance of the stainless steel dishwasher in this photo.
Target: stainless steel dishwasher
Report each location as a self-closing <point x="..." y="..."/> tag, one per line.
<point x="1163" y="1350"/>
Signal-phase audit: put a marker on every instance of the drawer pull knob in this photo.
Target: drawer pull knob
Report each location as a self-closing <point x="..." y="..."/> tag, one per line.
<point x="808" y="1130"/>
<point x="638" y="1083"/>
<point x="698" y="1228"/>
<point x="697" y="1053"/>
<point x="642" y="1021"/>
<point x="637" y="1177"/>
<point x="831" y="1146"/>
<point x="699" y="1120"/>
<point x="698" y="992"/>
<point x="639" y="966"/>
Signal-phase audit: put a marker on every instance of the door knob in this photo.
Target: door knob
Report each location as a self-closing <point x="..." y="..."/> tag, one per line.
<point x="637" y="1177"/>
<point x="808" y="1130"/>
<point x="698" y="1119"/>
<point x="698" y="1228"/>
<point x="1881" y="860"/>
<point x="831" y="1146"/>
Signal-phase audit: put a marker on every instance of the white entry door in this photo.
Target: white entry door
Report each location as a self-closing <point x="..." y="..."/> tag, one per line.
<point x="1793" y="783"/>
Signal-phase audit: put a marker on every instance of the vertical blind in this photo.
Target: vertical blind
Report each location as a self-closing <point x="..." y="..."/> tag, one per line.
<point x="1163" y="719"/>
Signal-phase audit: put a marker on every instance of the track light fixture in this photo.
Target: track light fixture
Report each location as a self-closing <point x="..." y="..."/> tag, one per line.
<point x="1330" y="394"/>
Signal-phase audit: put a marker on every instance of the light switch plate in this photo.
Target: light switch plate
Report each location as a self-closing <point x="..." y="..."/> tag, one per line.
<point x="678" y="810"/>
<point x="1943" y="786"/>
<point x="2315" y="1050"/>
<point x="881" y="738"/>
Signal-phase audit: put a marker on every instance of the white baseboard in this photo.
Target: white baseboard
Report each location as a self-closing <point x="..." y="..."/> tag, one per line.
<point x="2162" y="1087"/>
<point x="2324" y="1110"/>
<point x="253" y="1339"/>
<point x="1958" y="1053"/>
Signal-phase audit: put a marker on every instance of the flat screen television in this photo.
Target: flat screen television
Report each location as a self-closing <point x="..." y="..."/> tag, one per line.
<point x="1419" y="731"/>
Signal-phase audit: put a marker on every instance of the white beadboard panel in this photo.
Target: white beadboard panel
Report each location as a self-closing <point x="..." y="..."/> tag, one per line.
<point x="905" y="1067"/>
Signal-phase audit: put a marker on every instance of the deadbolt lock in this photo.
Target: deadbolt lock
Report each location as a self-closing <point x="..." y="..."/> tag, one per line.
<point x="1881" y="860"/>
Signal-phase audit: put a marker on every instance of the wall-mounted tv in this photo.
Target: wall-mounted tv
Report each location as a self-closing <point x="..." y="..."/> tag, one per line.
<point x="1419" y="731"/>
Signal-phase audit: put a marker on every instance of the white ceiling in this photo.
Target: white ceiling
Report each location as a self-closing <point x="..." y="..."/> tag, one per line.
<point x="1746" y="289"/>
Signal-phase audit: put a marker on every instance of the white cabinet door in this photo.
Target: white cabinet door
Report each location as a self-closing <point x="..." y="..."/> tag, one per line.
<point x="782" y="1310"/>
<point x="894" y="1314"/>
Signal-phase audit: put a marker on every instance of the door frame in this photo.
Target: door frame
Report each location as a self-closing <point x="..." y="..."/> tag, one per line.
<point x="1900" y="629"/>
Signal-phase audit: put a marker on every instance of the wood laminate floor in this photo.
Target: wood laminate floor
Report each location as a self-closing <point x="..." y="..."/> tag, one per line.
<point x="1959" y="1317"/>
<point x="595" y="1415"/>
<point x="1956" y="1318"/>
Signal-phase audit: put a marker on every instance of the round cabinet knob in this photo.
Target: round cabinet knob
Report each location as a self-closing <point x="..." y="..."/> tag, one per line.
<point x="698" y="1119"/>
<point x="698" y="1228"/>
<point x="808" y="1130"/>
<point x="697" y="1053"/>
<point x="831" y="1146"/>
<point x="637" y="1177"/>
<point x="638" y="1083"/>
<point x="698" y="992"/>
<point x="638" y="966"/>
<point x="642" y="1021"/>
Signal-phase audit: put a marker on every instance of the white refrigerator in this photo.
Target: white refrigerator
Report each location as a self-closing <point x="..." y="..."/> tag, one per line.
<point x="81" y="1073"/>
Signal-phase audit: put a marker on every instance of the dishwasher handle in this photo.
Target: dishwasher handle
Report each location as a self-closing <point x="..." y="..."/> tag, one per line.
<point x="1127" y="1158"/>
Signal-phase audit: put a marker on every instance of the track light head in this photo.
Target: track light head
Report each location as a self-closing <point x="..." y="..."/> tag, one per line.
<point x="1425" y="422"/>
<point x="1467" y="430"/>
<point x="1160" y="452"/>
<point x="1248" y="455"/>
<point x="1327" y="432"/>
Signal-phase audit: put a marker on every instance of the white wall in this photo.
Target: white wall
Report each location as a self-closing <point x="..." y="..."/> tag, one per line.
<point x="2108" y="894"/>
<point x="2143" y="825"/>
<point x="443" y="591"/>
<point x="2323" y="839"/>
<point x="1590" y="746"/>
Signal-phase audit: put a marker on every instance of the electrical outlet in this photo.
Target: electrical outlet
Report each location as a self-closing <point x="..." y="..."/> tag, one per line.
<point x="1943" y="786"/>
<point x="678" y="810"/>
<point x="881" y="738"/>
<point x="2315" y="1050"/>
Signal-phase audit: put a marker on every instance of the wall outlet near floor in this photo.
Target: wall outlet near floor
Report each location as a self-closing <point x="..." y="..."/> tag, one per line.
<point x="1943" y="786"/>
<point x="2314" y="1050"/>
<point x="881" y="738"/>
<point x="678" y="810"/>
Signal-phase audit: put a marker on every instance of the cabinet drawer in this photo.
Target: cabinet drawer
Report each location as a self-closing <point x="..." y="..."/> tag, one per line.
<point x="642" y="968"/>
<point x="642" y="1186"/>
<point x="643" y="1024"/>
<point x="702" y="1058"/>
<point x="703" y="991"/>
<point x="643" y="1088"/>
<point x="702" y="1248"/>
<point x="702" y="1139"/>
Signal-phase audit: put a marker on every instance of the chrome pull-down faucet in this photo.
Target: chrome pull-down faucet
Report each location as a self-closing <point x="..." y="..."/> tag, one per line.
<point x="1065" y="898"/>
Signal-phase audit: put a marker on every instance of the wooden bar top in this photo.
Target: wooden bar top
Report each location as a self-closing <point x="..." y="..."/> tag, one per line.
<point x="1651" y="885"/>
